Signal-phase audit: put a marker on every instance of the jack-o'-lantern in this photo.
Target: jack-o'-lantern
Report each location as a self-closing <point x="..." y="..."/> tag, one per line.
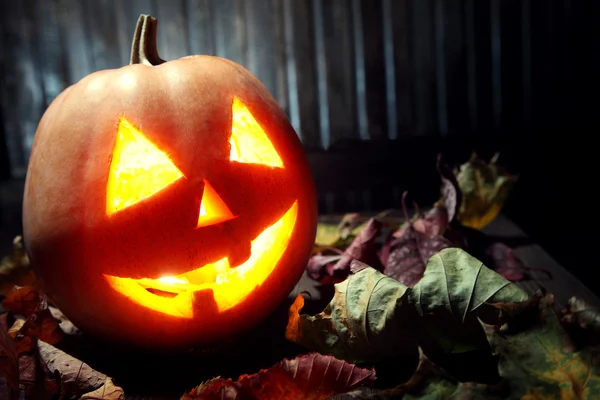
<point x="168" y="203"/>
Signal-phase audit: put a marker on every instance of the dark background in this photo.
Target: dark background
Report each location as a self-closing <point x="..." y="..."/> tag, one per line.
<point x="374" y="88"/>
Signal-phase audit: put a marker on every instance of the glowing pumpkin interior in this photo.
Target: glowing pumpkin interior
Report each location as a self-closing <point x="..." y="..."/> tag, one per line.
<point x="139" y="169"/>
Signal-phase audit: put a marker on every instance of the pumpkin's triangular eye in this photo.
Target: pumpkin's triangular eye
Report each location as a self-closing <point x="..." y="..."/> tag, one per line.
<point x="212" y="208"/>
<point x="249" y="143"/>
<point x="138" y="169"/>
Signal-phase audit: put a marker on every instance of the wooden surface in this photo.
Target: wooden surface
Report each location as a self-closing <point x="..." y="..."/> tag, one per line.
<point x="563" y="284"/>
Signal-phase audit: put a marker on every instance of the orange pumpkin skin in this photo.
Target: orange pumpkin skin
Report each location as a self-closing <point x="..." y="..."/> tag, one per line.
<point x="184" y="107"/>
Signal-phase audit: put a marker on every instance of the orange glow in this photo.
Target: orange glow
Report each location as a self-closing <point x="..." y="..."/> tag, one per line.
<point x="212" y="208"/>
<point x="138" y="169"/>
<point x="249" y="143"/>
<point x="229" y="285"/>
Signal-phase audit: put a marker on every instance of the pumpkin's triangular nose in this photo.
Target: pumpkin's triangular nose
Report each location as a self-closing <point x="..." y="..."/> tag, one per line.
<point x="213" y="209"/>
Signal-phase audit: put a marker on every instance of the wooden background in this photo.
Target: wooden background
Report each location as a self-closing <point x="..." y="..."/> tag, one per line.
<point x="374" y="88"/>
<point x="341" y="69"/>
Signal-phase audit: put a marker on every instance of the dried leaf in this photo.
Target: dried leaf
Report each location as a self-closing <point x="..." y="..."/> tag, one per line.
<point x="451" y="193"/>
<point x="42" y="325"/>
<point x="538" y="359"/>
<point x="453" y="287"/>
<point x="584" y="316"/>
<point x="108" y="391"/>
<point x="14" y="268"/>
<point x="485" y="188"/>
<point x="22" y="300"/>
<point x="405" y="255"/>
<point x="311" y="377"/>
<point x="335" y="268"/>
<point x="405" y="258"/>
<point x="9" y="360"/>
<point x="434" y="222"/>
<point x="76" y="377"/>
<point x="367" y="319"/>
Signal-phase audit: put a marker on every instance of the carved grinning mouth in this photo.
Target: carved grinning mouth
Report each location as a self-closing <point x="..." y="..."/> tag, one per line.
<point x="174" y="295"/>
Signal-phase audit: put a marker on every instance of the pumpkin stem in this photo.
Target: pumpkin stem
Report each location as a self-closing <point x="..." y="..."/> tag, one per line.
<point x="143" y="48"/>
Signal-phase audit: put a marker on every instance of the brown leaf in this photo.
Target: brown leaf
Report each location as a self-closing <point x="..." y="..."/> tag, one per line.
<point x="9" y="360"/>
<point x="433" y="222"/>
<point x="335" y="268"/>
<point x="42" y="325"/>
<point x="14" y="268"/>
<point x="76" y="377"/>
<point x="585" y="317"/>
<point x="312" y="377"/>
<point x="505" y="262"/>
<point x="450" y="190"/>
<point x="485" y="188"/>
<point x="108" y="391"/>
<point x="22" y="300"/>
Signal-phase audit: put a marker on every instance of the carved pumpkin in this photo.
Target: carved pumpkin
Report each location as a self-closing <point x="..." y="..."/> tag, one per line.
<point x="168" y="203"/>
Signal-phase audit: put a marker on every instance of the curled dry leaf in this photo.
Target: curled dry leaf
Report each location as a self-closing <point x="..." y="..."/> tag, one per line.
<point x="537" y="358"/>
<point x="41" y="325"/>
<point x="450" y="190"/>
<point x="9" y="360"/>
<point x="311" y="377"/>
<point x="14" y="268"/>
<point x="454" y="286"/>
<point x="22" y="300"/>
<point x="405" y="255"/>
<point x="584" y="316"/>
<point x="76" y="377"/>
<point x="335" y="268"/>
<point x="367" y="319"/>
<point x="485" y="188"/>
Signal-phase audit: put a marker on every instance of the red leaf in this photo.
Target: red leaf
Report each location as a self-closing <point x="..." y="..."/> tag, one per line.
<point x="9" y="360"/>
<point x="23" y="300"/>
<point x="309" y="377"/>
<point x="335" y="268"/>
<point x="405" y="256"/>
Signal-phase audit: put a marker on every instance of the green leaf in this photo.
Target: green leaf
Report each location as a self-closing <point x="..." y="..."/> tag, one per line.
<point x="454" y="286"/>
<point x="537" y="357"/>
<point x="367" y="319"/>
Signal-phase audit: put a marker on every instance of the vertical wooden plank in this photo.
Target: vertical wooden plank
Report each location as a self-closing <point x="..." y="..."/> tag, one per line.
<point x="291" y="68"/>
<point x="322" y="84"/>
<point x="526" y="56"/>
<point x="262" y="42"/>
<point x="48" y="49"/>
<point x="456" y="68"/>
<point x="359" y="71"/>
<point x="12" y="57"/>
<point x="374" y="65"/>
<point x="23" y="90"/>
<point x="469" y="12"/>
<point x="230" y="30"/>
<point x="440" y="51"/>
<point x="390" y="70"/>
<point x="200" y="27"/>
<point x="281" y="89"/>
<point x="544" y="49"/>
<point x="172" y="30"/>
<point x="496" y="51"/>
<point x="72" y="24"/>
<point x="103" y="37"/>
<point x="483" y="76"/>
<point x="511" y="69"/>
<point x="339" y="79"/>
<point x="400" y="15"/>
<point x="425" y="87"/>
<point x="305" y="67"/>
